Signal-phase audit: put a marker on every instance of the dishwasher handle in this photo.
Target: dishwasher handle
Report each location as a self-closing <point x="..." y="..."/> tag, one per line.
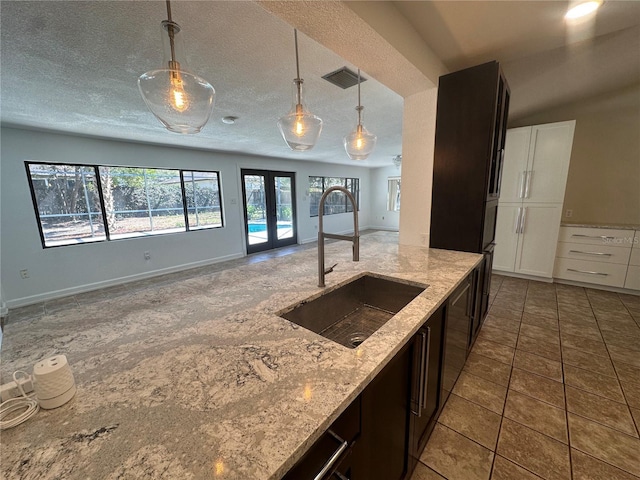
<point x="334" y="457"/>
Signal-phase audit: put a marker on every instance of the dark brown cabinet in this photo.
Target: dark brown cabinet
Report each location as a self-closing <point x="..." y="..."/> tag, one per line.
<point x="471" y="122"/>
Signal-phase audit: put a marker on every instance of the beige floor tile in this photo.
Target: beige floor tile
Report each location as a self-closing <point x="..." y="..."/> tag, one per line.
<point x="503" y="469"/>
<point x="624" y="355"/>
<point x="498" y="335"/>
<point x="472" y="421"/>
<point x="604" y="443"/>
<point x="538" y="387"/>
<point x="624" y="339"/>
<point x="540" y="321"/>
<point x="631" y="392"/>
<point x="592" y="332"/>
<point x="539" y="347"/>
<point x="635" y="413"/>
<point x="456" y="457"/>
<point x="543" y="311"/>
<point x="588" y="361"/>
<point x="626" y="372"/>
<point x="600" y="410"/>
<point x="504" y="324"/>
<point x="477" y="390"/>
<point x="488" y="368"/>
<point x="534" y="451"/>
<point x="537" y="415"/>
<point x="422" y="472"/>
<point x="496" y="351"/>
<point x="607" y="387"/>
<point x="505" y="312"/>
<point x="544" y="334"/>
<point x="584" y="344"/>
<point x="538" y="365"/>
<point x="589" y="468"/>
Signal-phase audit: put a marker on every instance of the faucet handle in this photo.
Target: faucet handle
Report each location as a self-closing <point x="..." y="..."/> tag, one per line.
<point x="330" y="269"/>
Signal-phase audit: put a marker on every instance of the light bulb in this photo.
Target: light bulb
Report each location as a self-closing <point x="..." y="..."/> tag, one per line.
<point x="299" y="130"/>
<point x="177" y="96"/>
<point x="359" y="143"/>
<point x="582" y="9"/>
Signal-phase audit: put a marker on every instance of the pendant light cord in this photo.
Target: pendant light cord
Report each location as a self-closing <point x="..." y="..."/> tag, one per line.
<point x="359" y="108"/>
<point x="298" y="80"/>
<point x="170" y="30"/>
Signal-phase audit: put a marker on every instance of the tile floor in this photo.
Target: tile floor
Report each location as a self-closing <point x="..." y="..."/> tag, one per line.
<point x="551" y="390"/>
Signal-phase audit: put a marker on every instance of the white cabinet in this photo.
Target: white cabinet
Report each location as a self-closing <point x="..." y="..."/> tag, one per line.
<point x="599" y="256"/>
<point x="536" y="163"/>
<point x="526" y="238"/>
<point x="534" y="177"/>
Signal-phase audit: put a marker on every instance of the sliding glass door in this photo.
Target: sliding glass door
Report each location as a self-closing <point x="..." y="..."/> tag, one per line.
<point x="269" y="209"/>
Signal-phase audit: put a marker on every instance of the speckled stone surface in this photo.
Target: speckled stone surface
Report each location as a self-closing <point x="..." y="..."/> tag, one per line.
<point x="199" y="378"/>
<point x="623" y="226"/>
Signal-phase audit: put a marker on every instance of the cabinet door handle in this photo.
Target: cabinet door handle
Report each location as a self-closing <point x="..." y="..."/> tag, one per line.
<point x="587" y="272"/>
<point x="528" y="184"/>
<point x="603" y="237"/>
<point x="524" y="219"/>
<point x="500" y="167"/>
<point x="461" y="294"/>
<point x="334" y="458"/>
<point x="426" y="369"/>
<point x="517" y="225"/>
<point x="591" y="253"/>
<point x="339" y="476"/>
<point x="522" y="182"/>
<point x="422" y="375"/>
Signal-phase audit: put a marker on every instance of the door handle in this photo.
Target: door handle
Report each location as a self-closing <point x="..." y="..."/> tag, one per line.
<point x="528" y="184"/>
<point x="522" y="182"/>
<point x="334" y="458"/>
<point x="500" y="167"/>
<point x="426" y="369"/>
<point x="524" y="219"/>
<point x="421" y="374"/>
<point x="516" y="228"/>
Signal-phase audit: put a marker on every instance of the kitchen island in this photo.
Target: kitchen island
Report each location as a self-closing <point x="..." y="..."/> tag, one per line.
<point x="198" y="377"/>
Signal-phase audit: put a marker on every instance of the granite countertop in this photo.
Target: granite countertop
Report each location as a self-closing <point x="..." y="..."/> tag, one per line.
<point x="199" y="378"/>
<point x="623" y="226"/>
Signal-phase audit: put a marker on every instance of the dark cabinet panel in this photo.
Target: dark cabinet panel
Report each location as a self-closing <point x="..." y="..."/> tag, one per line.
<point x="425" y="383"/>
<point x="469" y="145"/>
<point x="382" y="451"/>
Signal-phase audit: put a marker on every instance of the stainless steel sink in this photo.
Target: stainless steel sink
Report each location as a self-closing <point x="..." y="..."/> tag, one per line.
<point x="349" y="314"/>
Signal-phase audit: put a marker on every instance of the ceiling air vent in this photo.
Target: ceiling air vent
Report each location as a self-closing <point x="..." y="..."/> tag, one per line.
<point x="343" y="78"/>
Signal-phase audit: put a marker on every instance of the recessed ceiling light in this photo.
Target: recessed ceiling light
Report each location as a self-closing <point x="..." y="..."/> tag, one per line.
<point x="229" y="120"/>
<point x="582" y="9"/>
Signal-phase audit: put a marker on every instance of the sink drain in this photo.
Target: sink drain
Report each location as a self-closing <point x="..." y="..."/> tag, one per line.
<point x="356" y="339"/>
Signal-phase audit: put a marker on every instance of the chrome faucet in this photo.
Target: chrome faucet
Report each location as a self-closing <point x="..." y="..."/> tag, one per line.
<point x="355" y="239"/>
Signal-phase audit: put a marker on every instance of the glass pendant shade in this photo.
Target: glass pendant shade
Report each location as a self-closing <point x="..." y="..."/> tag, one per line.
<point x="300" y="128"/>
<point x="360" y="143"/>
<point x="181" y="100"/>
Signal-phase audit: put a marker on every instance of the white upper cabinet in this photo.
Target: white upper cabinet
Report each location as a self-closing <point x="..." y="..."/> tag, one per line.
<point x="516" y="156"/>
<point x="536" y="163"/>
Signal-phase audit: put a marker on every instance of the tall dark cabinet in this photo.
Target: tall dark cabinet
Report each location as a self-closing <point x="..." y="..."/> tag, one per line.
<point x="471" y="123"/>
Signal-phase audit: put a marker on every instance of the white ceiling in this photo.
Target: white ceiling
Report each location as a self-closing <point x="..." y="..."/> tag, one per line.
<point x="72" y="66"/>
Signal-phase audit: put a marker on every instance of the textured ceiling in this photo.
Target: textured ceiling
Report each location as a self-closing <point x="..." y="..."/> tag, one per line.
<point x="547" y="61"/>
<point x="73" y="66"/>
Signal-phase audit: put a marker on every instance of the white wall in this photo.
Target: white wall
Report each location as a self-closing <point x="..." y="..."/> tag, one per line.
<point x="60" y="271"/>
<point x="379" y="216"/>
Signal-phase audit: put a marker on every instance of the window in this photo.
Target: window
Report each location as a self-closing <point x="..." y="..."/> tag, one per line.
<point x="336" y="202"/>
<point x="86" y="203"/>
<point x="393" y="194"/>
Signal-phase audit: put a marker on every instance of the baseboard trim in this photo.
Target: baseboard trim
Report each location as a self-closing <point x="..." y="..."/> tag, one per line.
<point x="65" y="292"/>
<point x="523" y="276"/>
<point x="594" y="286"/>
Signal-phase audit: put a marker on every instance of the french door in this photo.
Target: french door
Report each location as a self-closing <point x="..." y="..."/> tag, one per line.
<point x="269" y="209"/>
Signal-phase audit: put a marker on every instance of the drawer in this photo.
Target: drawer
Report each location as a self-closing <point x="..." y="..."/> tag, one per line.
<point x="635" y="256"/>
<point x="633" y="278"/>
<point x="600" y="273"/>
<point x="597" y="236"/>
<point x="595" y="253"/>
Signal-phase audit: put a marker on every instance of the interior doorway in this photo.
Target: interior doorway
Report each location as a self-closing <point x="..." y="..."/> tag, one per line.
<point x="269" y="209"/>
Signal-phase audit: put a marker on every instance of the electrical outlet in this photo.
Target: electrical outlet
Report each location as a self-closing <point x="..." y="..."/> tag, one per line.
<point x="24" y="273"/>
<point x="147" y="255"/>
<point x="568" y="213"/>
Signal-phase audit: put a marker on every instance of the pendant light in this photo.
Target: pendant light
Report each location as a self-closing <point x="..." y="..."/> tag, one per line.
<point x="360" y="143"/>
<point x="299" y="128"/>
<point x="181" y="100"/>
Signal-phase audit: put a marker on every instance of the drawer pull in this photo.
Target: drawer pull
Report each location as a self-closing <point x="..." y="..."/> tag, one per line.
<point x="585" y="271"/>
<point x="603" y="237"/>
<point x="334" y="458"/>
<point x="591" y="253"/>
